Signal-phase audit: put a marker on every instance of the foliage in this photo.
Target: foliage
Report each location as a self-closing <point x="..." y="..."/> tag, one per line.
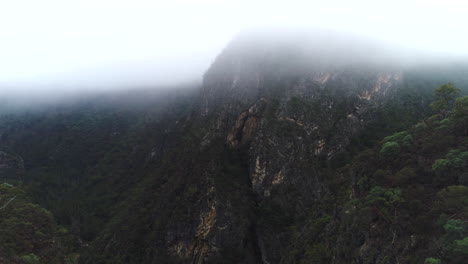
<point x="441" y="165"/>
<point x="397" y="137"/>
<point x="131" y="180"/>
<point x="29" y="230"/>
<point x="403" y="196"/>
<point x="390" y="149"/>
<point x="445" y="97"/>
<point x="455" y="159"/>
<point x="384" y="197"/>
<point x="454" y="229"/>
<point x="460" y="109"/>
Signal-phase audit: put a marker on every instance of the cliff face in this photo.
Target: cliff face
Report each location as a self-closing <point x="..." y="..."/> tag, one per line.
<point x="283" y="116"/>
<point x="283" y="122"/>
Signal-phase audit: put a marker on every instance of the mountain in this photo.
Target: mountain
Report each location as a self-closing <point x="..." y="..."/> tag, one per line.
<point x="295" y="149"/>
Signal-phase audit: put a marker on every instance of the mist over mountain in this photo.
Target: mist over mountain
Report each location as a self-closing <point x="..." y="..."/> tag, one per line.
<point x="301" y="49"/>
<point x="298" y="146"/>
<point x="84" y="45"/>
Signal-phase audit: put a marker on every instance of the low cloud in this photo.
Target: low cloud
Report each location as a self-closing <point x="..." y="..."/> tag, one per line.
<point x="63" y="46"/>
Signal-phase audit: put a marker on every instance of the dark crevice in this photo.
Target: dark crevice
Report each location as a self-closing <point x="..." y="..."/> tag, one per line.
<point x="252" y="250"/>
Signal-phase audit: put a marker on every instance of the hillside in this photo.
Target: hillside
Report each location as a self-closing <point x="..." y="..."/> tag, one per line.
<point x="282" y="156"/>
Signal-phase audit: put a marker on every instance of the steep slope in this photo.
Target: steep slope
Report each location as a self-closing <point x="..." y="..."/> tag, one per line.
<point x="261" y="166"/>
<point x="407" y="196"/>
<point x="255" y="158"/>
<point x="78" y="159"/>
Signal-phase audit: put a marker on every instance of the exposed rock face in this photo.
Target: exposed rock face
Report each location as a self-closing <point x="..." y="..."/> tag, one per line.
<point x="246" y="125"/>
<point x="200" y="245"/>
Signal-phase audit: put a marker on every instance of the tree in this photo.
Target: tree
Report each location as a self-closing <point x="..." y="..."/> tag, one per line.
<point x="384" y="202"/>
<point x="460" y="109"/>
<point x="455" y="239"/>
<point x="390" y="149"/>
<point x="397" y="137"/>
<point x="452" y="166"/>
<point x="455" y="229"/>
<point x="445" y="97"/>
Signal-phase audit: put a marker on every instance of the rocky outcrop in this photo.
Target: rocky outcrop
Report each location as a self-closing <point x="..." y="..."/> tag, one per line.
<point x="286" y="120"/>
<point x="246" y="124"/>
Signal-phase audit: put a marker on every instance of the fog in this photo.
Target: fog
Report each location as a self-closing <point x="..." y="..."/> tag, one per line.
<point x="68" y="47"/>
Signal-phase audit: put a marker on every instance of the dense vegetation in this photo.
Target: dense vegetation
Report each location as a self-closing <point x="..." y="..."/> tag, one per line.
<point x="400" y="198"/>
<point x="110" y="171"/>
<point x="409" y="195"/>
<point x="78" y="160"/>
<point x="29" y="233"/>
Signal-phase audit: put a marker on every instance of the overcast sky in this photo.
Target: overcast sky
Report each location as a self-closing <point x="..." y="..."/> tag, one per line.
<point x="68" y="44"/>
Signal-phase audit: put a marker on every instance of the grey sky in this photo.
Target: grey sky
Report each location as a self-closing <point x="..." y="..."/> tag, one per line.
<point x="85" y="44"/>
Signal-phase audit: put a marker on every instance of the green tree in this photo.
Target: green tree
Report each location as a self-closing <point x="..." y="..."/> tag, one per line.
<point x="454" y="229"/>
<point x="390" y="149"/>
<point x="445" y="97"/>
<point x="458" y="158"/>
<point x="460" y="108"/>
<point x="398" y="137"/>
<point x="452" y="166"/>
<point x="384" y="196"/>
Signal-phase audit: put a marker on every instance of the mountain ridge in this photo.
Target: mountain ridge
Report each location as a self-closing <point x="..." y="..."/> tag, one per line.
<point x="258" y="167"/>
